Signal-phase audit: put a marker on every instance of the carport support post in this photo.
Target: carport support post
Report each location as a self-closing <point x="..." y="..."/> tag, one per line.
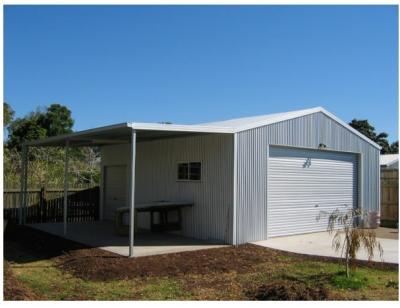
<point x="66" y="187"/>
<point x="24" y="184"/>
<point x="132" y="192"/>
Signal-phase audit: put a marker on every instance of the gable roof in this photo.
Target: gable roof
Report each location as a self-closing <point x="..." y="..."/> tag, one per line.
<point x="242" y="124"/>
<point x="388" y="159"/>
<point x="228" y="127"/>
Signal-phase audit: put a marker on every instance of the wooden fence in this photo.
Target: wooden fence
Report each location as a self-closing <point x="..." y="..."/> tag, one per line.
<point x="389" y="196"/>
<point x="47" y="205"/>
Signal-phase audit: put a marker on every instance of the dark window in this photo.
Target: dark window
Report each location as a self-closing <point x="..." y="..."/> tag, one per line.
<point x="195" y="171"/>
<point x="183" y="171"/>
<point x="189" y="171"/>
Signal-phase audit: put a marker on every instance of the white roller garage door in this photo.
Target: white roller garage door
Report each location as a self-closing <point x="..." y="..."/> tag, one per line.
<point x="302" y="183"/>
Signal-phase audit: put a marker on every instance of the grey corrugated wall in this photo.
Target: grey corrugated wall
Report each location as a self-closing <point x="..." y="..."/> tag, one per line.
<point x="307" y="131"/>
<point x="156" y="179"/>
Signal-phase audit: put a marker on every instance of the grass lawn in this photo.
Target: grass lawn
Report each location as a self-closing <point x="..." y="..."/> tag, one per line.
<point x="253" y="273"/>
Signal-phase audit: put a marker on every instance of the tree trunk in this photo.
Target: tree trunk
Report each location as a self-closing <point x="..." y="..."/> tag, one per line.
<point x="347" y="256"/>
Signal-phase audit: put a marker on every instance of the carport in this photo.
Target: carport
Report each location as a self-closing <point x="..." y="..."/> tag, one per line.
<point x="125" y="133"/>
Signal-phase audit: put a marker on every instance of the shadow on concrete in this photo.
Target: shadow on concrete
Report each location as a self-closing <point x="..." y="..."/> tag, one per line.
<point x="47" y="238"/>
<point x="23" y="244"/>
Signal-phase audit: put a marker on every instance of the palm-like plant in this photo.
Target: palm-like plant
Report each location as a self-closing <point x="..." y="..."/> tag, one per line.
<point x="349" y="237"/>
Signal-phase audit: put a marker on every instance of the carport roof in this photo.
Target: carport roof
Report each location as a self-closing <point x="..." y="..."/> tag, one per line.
<point x="121" y="133"/>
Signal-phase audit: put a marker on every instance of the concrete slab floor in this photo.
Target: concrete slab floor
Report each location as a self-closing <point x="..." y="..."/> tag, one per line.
<point x="101" y="235"/>
<point x="320" y="244"/>
<point x="390" y="233"/>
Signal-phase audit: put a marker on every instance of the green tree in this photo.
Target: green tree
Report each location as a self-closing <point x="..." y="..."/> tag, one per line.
<point x="382" y="140"/>
<point x="24" y="129"/>
<point x="46" y="164"/>
<point x="56" y="120"/>
<point x="394" y="147"/>
<point x="368" y="130"/>
<point x="8" y="114"/>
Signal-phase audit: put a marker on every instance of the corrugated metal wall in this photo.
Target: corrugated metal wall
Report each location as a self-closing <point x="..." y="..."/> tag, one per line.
<point x="156" y="179"/>
<point x="308" y="131"/>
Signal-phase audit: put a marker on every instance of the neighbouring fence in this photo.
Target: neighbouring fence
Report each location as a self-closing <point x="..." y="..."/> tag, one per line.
<point x="47" y="205"/>
<point x="389" y="197"/>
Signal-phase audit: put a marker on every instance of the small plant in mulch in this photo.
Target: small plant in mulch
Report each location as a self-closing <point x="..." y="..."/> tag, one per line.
<point x="288" y="290"/>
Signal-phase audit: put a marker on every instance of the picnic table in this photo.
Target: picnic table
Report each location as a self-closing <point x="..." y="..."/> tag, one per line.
<point x="162" y="207"/>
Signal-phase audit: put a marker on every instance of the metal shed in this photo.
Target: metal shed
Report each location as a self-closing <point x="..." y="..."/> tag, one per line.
<point x="261" y="176"/>
<point x="389" y="161"/>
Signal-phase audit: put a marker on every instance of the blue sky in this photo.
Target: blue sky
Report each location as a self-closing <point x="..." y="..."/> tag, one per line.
<point x="192" y="64"/>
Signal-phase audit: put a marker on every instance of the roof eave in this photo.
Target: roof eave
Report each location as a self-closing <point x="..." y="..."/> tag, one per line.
<point x="336" y="119"/>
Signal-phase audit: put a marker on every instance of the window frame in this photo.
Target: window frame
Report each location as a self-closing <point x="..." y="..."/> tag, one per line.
<point x="188" y="162"/>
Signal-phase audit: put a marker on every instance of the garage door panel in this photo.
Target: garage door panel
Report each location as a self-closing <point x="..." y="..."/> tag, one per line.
<point x="309" y="223"/>
<point x="312" y="187"/>
<point x="304" y="184"/>
<point x="302" y="211"/>
<point x="322" y="165"/>
<point x="282" y="193"/>
<point x="305" y="206"/>
<point x="295" y="203"/>
<point x="297" y="196"/>
<point x="322" y="176"/>
<point x="282" y="152"/>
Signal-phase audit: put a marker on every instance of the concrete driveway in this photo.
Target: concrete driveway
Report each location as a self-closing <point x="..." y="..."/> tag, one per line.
<point x="320" y="244"/>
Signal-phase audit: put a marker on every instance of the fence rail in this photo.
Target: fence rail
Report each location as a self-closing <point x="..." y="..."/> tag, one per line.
<point x="47" y="205"/>
<point x="389" y="195"/>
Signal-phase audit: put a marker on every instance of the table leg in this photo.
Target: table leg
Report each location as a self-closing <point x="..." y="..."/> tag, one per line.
<point x="152" y="221"/>
<point x="135" y="221"/>
<point x="179" y="219"/>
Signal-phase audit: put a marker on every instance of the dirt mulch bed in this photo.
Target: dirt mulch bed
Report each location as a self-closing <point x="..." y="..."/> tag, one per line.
<point x="288" y="290"/>
<point x="94" y="264"/>
<point x="14" y="289"/>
